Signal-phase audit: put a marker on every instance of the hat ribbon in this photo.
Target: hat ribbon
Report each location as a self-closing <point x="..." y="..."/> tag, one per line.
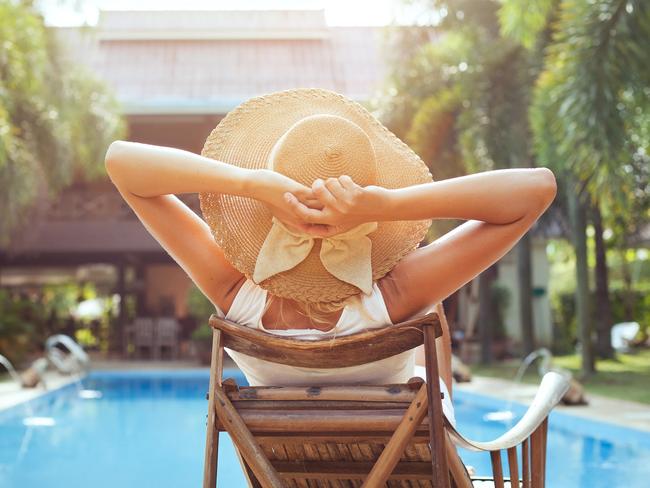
<point x="345" y="255"/>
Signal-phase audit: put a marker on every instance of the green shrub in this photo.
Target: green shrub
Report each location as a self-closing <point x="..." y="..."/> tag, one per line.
<point x="565" y="333"/>
<point x="202" y="333"/>
<point x="200" y="309"/>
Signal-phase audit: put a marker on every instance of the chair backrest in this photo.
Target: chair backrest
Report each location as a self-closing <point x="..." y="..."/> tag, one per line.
<point x="332" y="436"/>
<point x="343" y="351"/>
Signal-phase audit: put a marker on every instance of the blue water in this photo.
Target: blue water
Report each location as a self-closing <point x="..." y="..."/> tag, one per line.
<point x="148" y="429"/>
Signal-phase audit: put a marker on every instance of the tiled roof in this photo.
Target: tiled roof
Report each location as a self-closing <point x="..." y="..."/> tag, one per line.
<point x="208" y="62"/>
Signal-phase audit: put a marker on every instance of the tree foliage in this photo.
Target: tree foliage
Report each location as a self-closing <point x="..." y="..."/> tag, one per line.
<point x="590" y="106"/>
<point x="55" y="119"/>
<point x="557" y="83"/>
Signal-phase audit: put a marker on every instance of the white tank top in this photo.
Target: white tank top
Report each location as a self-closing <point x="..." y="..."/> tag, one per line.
<point x="364" y="312"/>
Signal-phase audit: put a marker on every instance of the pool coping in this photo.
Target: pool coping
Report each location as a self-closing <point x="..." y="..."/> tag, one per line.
<point x="12" y="395"/>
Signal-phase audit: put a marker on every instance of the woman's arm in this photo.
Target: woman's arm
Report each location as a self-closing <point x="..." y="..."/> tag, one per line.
<point x="498" y="197"/>
<point x="147" y="170"/>
<point x="148" y="176"/>
<point x="500" y="205"/>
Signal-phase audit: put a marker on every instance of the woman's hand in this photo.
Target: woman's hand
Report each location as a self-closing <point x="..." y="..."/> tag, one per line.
<point x="271" y="187"/>
<point x="343" y="205"/>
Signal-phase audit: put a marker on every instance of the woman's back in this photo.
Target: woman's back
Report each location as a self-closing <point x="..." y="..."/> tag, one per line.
<point x="362" y="313"/>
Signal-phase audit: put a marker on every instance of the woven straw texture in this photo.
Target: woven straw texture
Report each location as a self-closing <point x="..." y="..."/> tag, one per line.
<point x="246" y="136"/>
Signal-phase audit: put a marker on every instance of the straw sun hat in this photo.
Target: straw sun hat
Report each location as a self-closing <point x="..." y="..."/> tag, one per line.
<point x="308" y="134"/>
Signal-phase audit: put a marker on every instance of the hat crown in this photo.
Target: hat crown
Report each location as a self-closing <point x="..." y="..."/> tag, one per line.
<point x="324" y="146"/>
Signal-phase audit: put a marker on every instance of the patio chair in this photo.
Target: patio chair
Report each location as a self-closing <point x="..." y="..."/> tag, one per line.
<point x="143" y="337"/>
<point x="355" y="435"/>
<point x="166" y="338"/>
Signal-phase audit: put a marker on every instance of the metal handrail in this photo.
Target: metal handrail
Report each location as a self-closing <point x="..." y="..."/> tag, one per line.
<point x="75" y="362"/>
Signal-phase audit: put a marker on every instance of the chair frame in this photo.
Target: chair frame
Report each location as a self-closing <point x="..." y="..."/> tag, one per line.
<point x="340" y="352"/>
<point x="421" y="404"/>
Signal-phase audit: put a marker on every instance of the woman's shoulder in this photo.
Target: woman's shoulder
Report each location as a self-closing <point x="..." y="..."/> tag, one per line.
<point x="397" y="302"/>
<point x="233" y="293"/>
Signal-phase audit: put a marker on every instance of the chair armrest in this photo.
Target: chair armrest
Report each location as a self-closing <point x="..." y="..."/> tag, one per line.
<point x="550" y="392"/>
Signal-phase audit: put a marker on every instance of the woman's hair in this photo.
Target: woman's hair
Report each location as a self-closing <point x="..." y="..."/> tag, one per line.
<point x="316" y="312"/>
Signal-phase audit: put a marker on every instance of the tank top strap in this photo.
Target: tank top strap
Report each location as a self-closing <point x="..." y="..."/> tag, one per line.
<point x="375" y="302"/>
<point x="365" y="311"/>
<point x="248" y="306"/>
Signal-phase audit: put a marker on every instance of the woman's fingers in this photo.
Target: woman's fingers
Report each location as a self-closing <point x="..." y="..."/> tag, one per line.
<point x="347" y="182"/>
<point x="306" y="195"/>
<point x="302" y="211"/>
<point x="336" y="189"/>
<point x="322" y="191"/>
<point x="324" y="206"/>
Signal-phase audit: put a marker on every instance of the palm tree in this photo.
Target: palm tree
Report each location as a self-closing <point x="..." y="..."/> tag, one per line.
<point x="557" y="83"/>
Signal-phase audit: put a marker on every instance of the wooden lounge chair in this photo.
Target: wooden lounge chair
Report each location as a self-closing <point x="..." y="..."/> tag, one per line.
<point x="355" y="435"/>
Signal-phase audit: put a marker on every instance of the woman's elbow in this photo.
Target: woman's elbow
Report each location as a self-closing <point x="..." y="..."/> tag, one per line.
<point x="114" y="158"/>
<point x="547" y="187"/>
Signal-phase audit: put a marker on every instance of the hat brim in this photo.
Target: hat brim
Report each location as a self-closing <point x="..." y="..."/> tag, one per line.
<point x="245" y="137"/>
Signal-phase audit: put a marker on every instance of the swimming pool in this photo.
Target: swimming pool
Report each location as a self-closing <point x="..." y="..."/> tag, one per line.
<point x="148" y="429"/>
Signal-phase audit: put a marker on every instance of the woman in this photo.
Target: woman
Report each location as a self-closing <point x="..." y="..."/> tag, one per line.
<point x="314" y="211"/>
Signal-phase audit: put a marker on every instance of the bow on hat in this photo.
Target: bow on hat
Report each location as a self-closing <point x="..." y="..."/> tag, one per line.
<point x="345" y="255"/>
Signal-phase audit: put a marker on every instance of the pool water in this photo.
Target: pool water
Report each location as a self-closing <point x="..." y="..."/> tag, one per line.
<point x="148" y="429"/>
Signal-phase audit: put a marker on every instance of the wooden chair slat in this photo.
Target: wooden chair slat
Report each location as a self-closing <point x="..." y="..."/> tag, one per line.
<point x="436" y="427"/>
<point x="250" y="450"/>
<point x="212" y="431"/>
<point x="377" y="393"/>
<point x="457" y="469"/>
<point x="350" y="438"/>
<point x="513" y="467"/>
<point x="497" y="470"/>
<point x="408" y="425"/>
<point x="344" y="351"/>
<point x="525" y="463"/>
<point x="544" y="439"/>
<point x="263" y="421"/>
<point x="349" y="469"/>
<point x="537" y="454"/>
<point x="317" y="405"/>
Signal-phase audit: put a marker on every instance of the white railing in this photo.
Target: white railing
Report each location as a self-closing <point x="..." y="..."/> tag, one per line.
<point x="75" y="361"/>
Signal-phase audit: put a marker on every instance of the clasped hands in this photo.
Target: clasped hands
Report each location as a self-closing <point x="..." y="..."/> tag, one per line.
<point x="329" y="207"/>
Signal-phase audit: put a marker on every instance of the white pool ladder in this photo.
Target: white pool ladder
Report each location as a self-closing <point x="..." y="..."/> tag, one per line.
<point x="76" y="361"/>
<point x="10" y="368"/>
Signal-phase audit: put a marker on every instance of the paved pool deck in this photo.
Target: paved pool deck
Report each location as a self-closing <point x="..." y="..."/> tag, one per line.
<point x="620" y="412"/>
<point x="11" y="394"/>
